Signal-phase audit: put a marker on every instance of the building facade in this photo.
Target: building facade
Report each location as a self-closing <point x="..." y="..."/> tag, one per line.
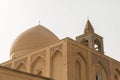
<point x="38" y="51"/>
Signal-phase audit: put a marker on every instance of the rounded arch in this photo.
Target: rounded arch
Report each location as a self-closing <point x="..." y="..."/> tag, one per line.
<point x="84" y="42"/>
<point x="57" y="65"/>
<point x="38" y="66"/>
<point x="21" y="66"/>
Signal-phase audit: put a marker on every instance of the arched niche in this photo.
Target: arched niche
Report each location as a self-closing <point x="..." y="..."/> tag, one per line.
<point x="21" y="66"/>
<point x="80" y="67"/>
<point x="101" y="73"/>
<point x="38" y="66"/>
<point x="57" y="65"/>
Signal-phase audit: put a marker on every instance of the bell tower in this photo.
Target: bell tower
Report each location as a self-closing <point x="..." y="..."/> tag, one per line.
<point x="90" y="39"/>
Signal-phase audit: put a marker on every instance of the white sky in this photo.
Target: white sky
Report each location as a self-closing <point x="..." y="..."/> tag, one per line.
<point x="66" y="18"/>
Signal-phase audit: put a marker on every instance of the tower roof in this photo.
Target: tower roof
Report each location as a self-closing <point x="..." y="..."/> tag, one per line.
<point x="88" y="28"/>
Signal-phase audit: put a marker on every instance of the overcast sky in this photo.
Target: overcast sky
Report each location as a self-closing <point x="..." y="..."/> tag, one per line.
<point x="65" y="18"/>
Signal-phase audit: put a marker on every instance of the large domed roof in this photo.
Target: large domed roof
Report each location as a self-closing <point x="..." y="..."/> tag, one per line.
<point x="31" y="39"/>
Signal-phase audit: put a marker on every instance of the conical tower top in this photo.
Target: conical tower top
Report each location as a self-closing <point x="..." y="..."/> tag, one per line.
<point x="88" y="28"/>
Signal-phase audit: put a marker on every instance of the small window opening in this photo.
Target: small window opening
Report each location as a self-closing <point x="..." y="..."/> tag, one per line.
<point x="97" y="45"/>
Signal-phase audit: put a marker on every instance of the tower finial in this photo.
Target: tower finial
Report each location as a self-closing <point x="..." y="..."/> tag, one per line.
<point x="39" y="22"/>
<point x="87" y="17"/>
<point x="88" y="28"/>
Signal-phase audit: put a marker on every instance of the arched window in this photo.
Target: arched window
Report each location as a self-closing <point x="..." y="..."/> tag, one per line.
<point x="97" y="46"/>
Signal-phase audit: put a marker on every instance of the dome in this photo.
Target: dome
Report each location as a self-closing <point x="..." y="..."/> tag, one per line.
<point x="32" y="39"/>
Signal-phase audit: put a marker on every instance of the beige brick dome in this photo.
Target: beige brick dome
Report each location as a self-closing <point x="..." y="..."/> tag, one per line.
<point x="32" y="39"/>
